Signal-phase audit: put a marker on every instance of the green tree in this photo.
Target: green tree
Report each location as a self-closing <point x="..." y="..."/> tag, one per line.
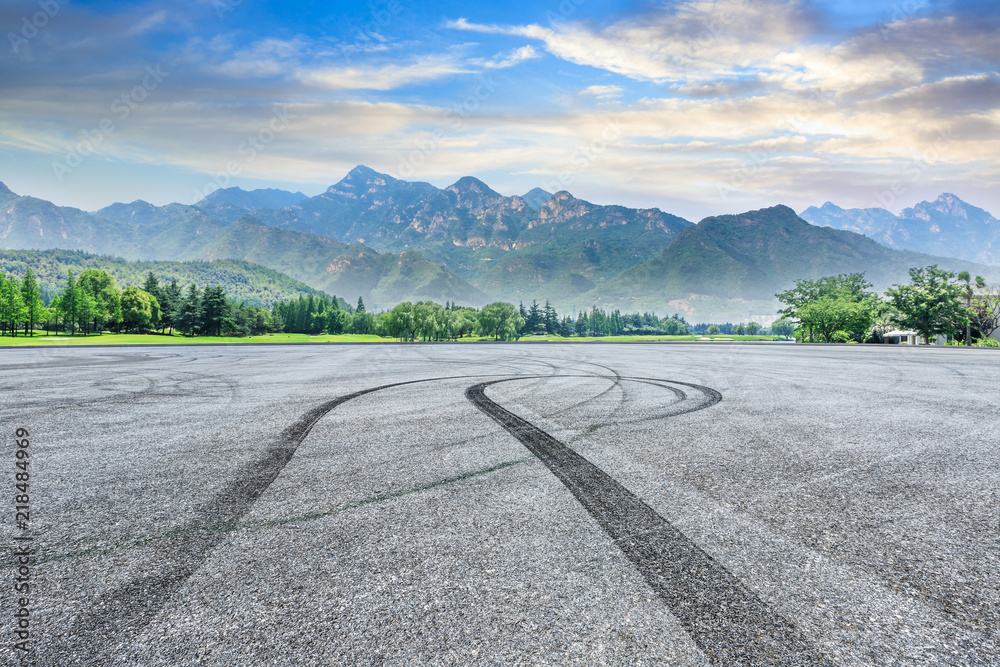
<point x="361" y="306"/>
<point x="402" y="322"/>
<point x="86" y="309"/>
<point x="828" y="315"/>
<point x="100" y="285"/>
<point x="12" y="308"/>
<point x="136" y="309"/>
<point x="170" y="297"/>
<point x="931" y="304"/>
<point x="986" y="310"/>
<point x="362" y="322"/>
<point x="34" y="308"/>
<point x="214" y="310"/>
<point x="784" y="328"/>
<point x="188" y="316"/>
<point x="851" y="288"/>
<point x="337" y="321"/>
<point x="69" y="301"/>
<point x="500" y="320"/>
<point x="713" y="330"/>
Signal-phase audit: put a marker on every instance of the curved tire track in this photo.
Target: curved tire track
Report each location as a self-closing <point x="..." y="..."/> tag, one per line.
<point x="729" y="623"/>
<point x="727" y="620"/>
<point x="123" y="612"/>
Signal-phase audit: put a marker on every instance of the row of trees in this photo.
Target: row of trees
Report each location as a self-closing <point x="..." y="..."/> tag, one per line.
<point x="92" y="302"/>
<point x="426" y="320"/>
<point x="935" y="303"/>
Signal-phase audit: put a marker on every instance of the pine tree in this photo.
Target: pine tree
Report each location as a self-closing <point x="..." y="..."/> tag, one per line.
<point x="32" y="301"/>
<point x="170" y="299"/>
<point x="69" y="302"/>
<point x="188" y="316"/>
<point x="551" y="319"/>
<point x="214" y="310"/>
<point x="12" y="308"/>
<point x="534" y="322"/>
<point x="361" y="306"/>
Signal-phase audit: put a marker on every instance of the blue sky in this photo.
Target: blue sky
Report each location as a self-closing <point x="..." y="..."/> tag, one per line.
<point x="698" y="107"/>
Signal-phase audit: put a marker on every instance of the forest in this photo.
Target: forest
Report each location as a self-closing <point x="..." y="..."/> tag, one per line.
<point x="91" y="302"/>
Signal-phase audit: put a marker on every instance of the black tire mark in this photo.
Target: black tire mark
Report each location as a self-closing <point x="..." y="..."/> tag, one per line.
<point x="124" y="611"/>
<point x="727" y="620"/>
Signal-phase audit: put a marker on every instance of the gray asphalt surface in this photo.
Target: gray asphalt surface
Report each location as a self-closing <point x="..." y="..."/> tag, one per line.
<point x="591" y="504"/>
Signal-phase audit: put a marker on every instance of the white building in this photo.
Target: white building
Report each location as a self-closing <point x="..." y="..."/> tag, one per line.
<point x="910" y="338"/>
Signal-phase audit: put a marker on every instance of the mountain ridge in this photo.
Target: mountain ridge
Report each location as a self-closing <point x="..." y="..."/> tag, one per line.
<point x="945" y="226"/>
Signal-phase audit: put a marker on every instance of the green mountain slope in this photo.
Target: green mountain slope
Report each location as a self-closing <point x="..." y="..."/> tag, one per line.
<point x="337" y="268"/>
<point x="244" y="281"/>
<point x="553" y="246"/>
<point x="141" y="231"/>
<point x="726" y="265"/>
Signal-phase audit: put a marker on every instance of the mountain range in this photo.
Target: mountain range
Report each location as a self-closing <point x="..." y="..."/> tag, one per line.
<point x="390" y="240"/>
<point x="946" y="226"/>
<point x="177" y="232"/>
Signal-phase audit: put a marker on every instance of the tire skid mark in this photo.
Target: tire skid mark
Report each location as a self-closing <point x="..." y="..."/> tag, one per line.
<point x="117" y="616"/>
<point x="123" y="612"/>
<point x="727" y="620"/>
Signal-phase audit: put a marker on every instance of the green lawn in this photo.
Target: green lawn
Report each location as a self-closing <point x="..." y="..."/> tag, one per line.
<point x="156" y="339"/>
<point x="625" y="339"/>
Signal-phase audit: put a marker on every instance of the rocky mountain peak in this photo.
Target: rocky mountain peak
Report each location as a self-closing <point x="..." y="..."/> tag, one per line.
<point x="360" y="181"/>
<point x="563" y="206"/>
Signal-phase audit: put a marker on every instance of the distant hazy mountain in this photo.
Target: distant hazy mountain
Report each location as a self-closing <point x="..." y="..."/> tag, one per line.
<point x="558" y="249"/>
<point x="946" y="226"/>
<point x="141" y="231"/>
<point x="728" y="264"/>
<point x="244" y="281"/>
<point x="253" y="199"/>
<point x="536" y="197"/>
<point x="390" y="240"/>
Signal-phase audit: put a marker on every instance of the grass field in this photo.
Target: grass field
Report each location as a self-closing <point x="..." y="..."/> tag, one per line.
<point x="157" y="339"/>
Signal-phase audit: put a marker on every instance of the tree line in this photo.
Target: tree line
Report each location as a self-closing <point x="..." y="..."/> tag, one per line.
<point x="91" y="302"/>
<point x="935" y="303"/>
<point x="429" y="321"/>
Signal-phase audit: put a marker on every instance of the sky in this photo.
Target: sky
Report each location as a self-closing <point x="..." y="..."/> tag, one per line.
<point x="697" y="107"/>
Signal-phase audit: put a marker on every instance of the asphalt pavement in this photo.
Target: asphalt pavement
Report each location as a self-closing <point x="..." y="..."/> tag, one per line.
<point x="621" y="504"/>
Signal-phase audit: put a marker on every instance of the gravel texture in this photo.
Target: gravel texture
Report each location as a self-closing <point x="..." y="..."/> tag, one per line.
<point x="507" y="504"/>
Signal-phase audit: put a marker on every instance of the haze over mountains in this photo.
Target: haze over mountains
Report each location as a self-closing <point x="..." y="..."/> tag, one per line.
<point x="946" y="226"/>
<point x="389" y="240"/>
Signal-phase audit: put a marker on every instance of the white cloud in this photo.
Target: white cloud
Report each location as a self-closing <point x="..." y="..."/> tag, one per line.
<point x="605" y="93"/>
<point x="382" y="77"/>
<point x="515" y="57"/>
